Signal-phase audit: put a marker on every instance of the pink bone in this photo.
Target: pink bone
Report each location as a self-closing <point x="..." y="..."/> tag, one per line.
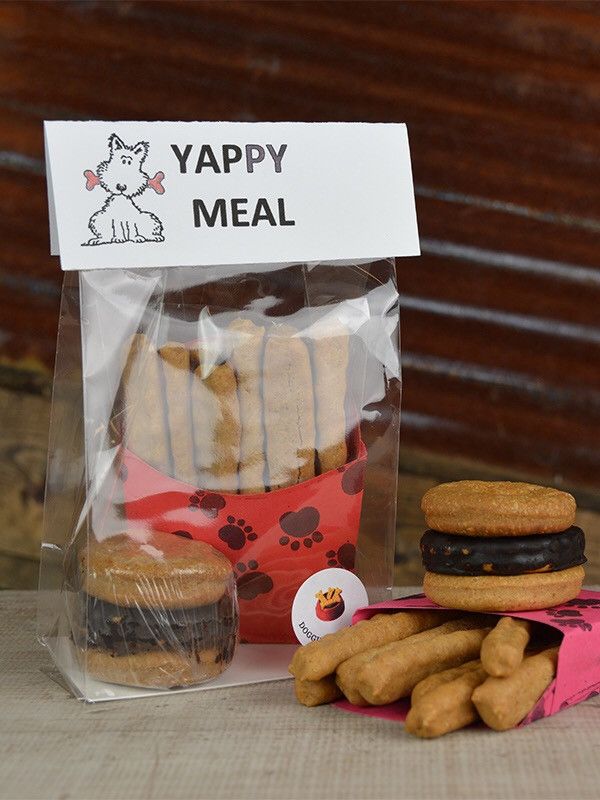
<point x="92" y="180"/>
<point x="155" y="183"/>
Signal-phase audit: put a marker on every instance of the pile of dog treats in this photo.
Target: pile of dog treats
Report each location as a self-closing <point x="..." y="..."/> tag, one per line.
<point x="271" y="405"/>
<point x="457" y="668"/>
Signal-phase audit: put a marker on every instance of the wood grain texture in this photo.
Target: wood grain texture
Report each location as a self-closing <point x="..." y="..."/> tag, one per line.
<point x="500" y="324"/>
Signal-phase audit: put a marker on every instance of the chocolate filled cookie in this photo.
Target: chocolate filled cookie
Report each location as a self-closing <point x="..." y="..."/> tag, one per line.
<point x="155" y="610"/>
<point x="501" y="546"/>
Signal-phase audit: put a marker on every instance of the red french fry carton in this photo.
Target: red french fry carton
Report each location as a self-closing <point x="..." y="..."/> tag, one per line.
<point x="275" y="540"/>
<point x="578" y="671"/>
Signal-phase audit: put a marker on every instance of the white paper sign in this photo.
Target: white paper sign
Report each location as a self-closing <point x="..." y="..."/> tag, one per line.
<point x="160" y="194"/>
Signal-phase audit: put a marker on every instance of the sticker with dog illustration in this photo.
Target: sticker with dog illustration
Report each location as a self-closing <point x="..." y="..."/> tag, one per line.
<point x="123" y="178"/>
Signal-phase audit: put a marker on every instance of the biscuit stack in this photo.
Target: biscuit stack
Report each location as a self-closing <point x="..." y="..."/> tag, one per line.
<point x="253" y="410"/>
<point x="155" y="610"/>
<point x="501" y="546"/>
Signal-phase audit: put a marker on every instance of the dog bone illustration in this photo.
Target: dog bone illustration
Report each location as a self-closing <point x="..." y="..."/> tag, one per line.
<point x="92" y="180"/>
<point x="155" y="183"/>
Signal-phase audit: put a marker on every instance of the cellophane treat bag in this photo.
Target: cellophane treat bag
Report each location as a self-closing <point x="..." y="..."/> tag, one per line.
<point x="225" y="417"/>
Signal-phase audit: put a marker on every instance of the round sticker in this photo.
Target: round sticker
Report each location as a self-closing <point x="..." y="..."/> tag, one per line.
<point x="325" y="603"/>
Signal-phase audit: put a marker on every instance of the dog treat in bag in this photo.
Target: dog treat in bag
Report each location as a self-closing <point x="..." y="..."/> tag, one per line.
<point x="155" y="610"/>
<point x="226" y="399"/>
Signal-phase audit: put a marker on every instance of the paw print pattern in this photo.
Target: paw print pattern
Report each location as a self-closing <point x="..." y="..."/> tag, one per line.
<point x="208" y="503"/>
<point x="300" y="527"/>
<point x="344" y="557"/>
<point x="236" y="533"/>
<point x="590" y="602"/>
<point x="353" y="479"/>
<point x="567" y="618"/>
<point x="316" y="537"/>
<point x="250" y="581"/>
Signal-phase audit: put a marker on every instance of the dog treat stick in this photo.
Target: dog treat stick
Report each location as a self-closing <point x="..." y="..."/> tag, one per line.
<point x="441" y="678"/>
<point x="503" y="702"/>
<point x="345" y="677"/>
<point x="503" y="648"/>
<point x="446" y="708"/>
<point x="318" y="659"/>
<point x="330" y="363"/>
<point x="395" y="673"/>
<point x="216" y="423"/>
<point x="289" y="409"/>
<point x="175" y="360"/>
<point x="247" y="361"/>
<point x="144" y="421"/>
<point x="348" y="672"/>
<point x="316" y="693"/>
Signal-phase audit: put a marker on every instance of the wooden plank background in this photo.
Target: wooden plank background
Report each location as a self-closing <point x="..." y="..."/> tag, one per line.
<point x="500" y="316"/>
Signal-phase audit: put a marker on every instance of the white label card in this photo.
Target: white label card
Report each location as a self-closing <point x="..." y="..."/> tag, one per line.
<point x="160" y="194"/>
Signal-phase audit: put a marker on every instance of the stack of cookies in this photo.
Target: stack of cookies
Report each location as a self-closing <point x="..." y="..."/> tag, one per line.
<point x="254" y="409"/>
<point x="155" y="610"/>
<point x="501" y="546"/>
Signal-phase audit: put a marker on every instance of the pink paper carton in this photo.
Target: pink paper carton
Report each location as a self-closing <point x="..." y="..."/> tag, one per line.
<point x="578" y="671"/>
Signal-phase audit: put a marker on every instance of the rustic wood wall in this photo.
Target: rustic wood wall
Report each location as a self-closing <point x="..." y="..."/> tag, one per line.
<point x="501" y="330"/>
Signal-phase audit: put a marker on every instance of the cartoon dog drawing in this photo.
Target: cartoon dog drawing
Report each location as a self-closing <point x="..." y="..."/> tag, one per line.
<point x="122" y="177"/>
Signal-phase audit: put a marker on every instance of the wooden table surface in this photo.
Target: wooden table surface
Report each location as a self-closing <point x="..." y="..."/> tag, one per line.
<point x="256" y="742"/>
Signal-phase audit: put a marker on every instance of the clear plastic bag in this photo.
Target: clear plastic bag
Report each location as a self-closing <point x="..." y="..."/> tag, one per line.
<point x="251" y="410"/>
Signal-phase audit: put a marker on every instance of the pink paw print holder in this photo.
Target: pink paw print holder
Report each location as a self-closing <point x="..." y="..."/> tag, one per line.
<point x="578" y="671"/>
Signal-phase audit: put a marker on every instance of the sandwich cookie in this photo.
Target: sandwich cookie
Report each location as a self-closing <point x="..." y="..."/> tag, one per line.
<point x="155" y="610"/>
<point x="501" y="546"/>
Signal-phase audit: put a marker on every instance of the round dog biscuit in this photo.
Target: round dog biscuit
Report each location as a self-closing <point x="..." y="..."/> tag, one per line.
<point x="504" y="592"/>
<point x="156" y="669"/>
<point x="497" y="508"/>
<point x="153" y="569"/>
